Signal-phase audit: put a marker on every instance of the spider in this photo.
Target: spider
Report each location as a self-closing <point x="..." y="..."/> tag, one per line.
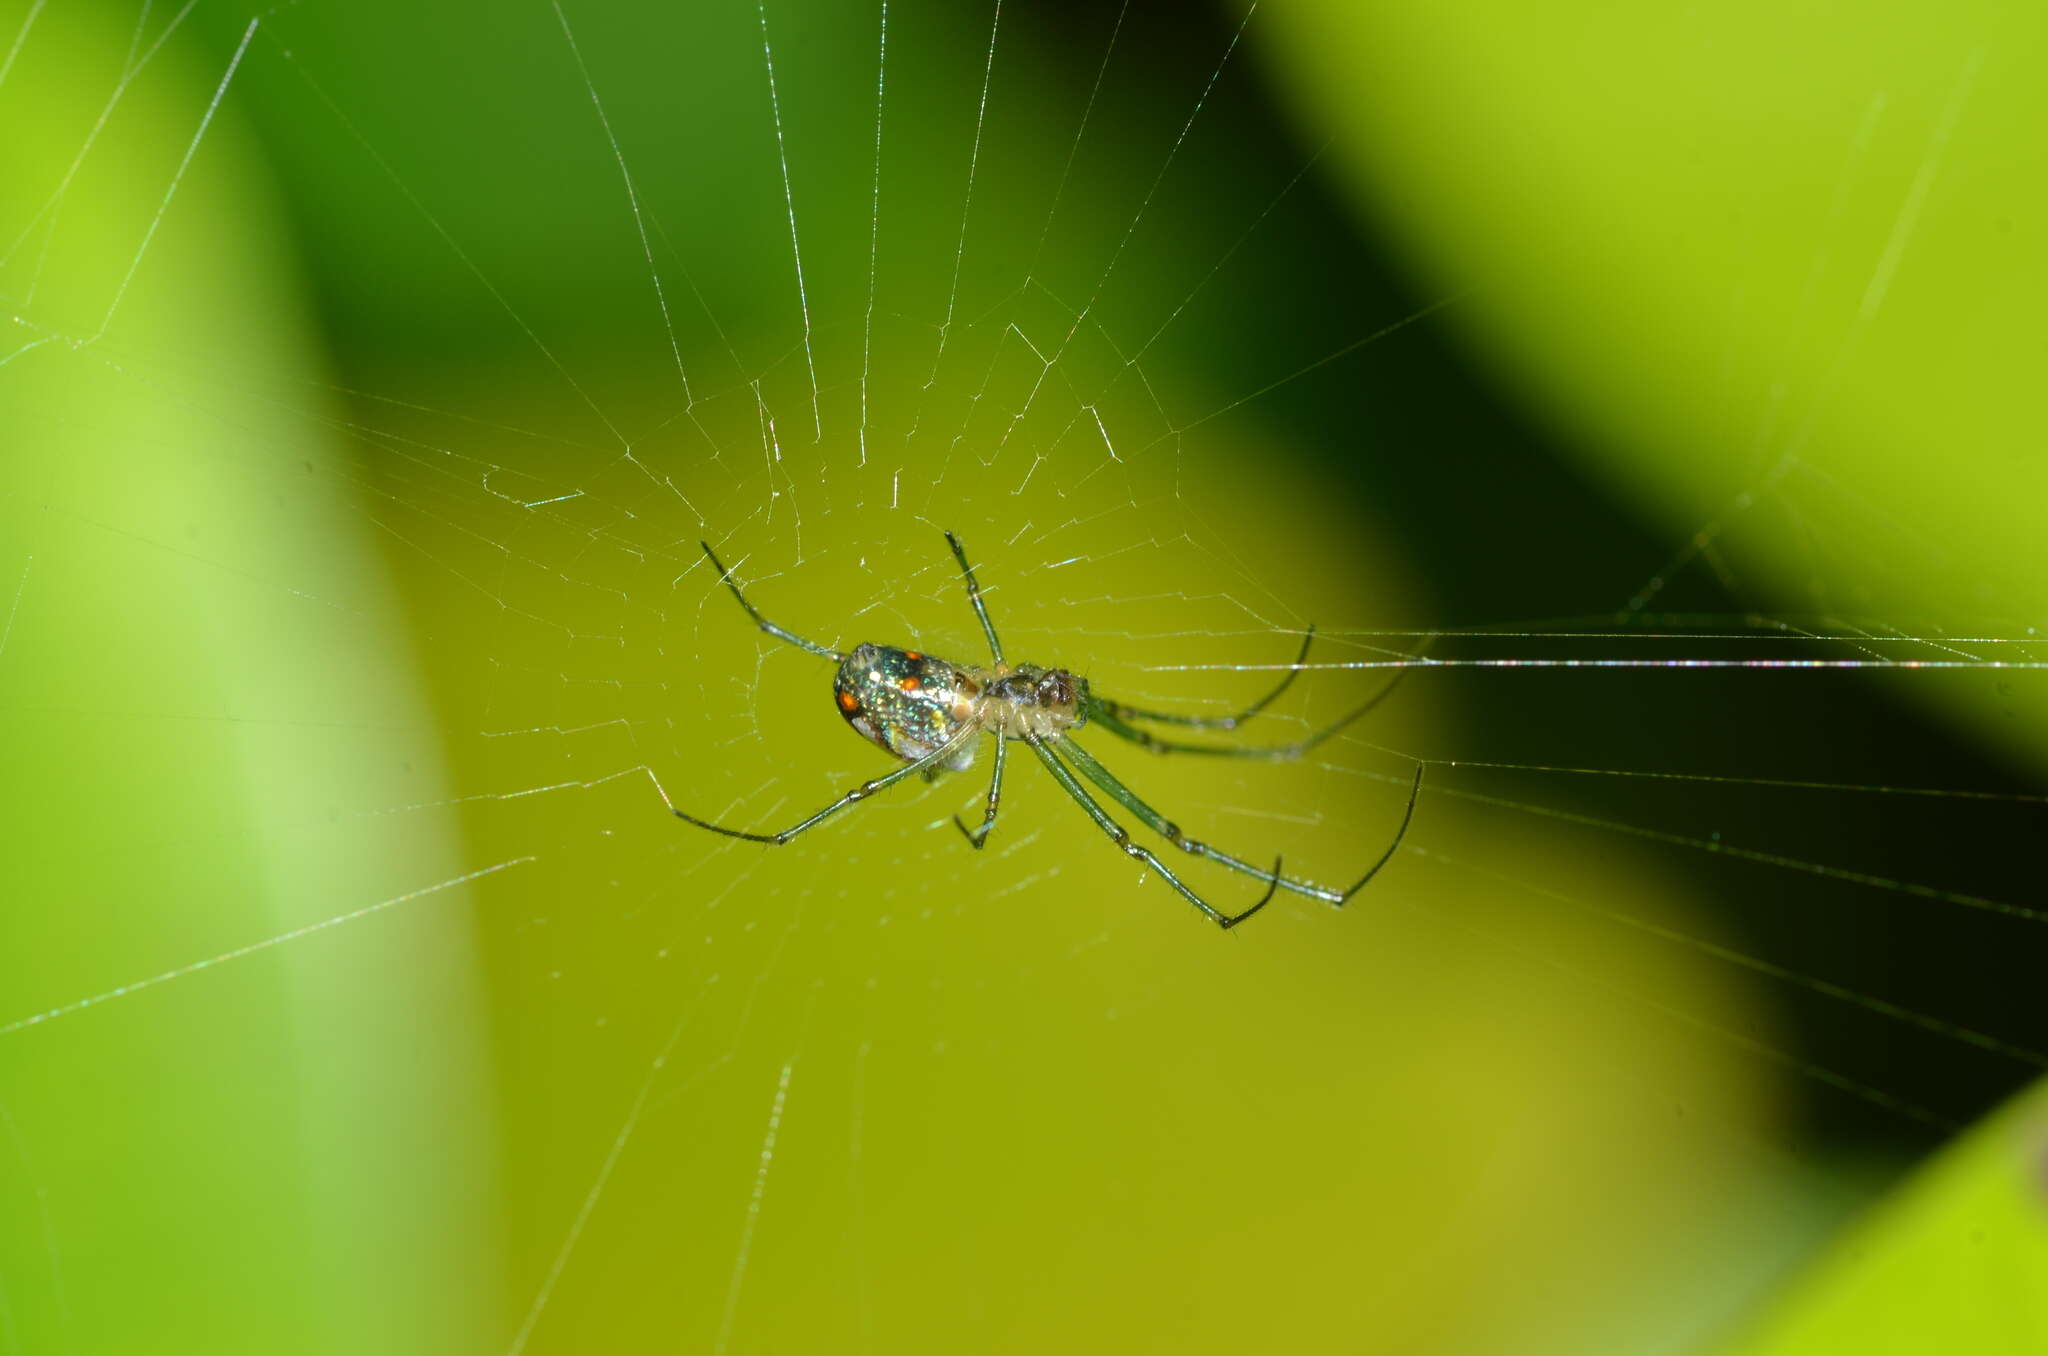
<point x="929" y="711"/>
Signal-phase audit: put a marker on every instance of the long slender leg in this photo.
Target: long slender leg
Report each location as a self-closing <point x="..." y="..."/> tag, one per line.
<point x="861" y="792"/>
<point x="1122" y="712"/>
<point x="725" y="578"/>
<point x="1407" y="814"/>
<point x="1106" y="714"/>
<point x="1167" y="829"/>
<point x="995" y="796"/>
<point x="995" y="647"/>
<point x="1122" y="838"/>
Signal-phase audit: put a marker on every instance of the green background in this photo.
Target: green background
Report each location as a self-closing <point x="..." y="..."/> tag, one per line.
<point x="360" y="995"/>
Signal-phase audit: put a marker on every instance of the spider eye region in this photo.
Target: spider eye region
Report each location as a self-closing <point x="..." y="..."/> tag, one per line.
<point x="906" y="702"/>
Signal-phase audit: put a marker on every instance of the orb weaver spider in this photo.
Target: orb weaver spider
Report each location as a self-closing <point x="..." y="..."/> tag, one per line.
<point x="929" y="712"/>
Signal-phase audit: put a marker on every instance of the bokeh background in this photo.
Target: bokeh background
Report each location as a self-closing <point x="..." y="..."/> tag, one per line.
<point x="371" y="373"/>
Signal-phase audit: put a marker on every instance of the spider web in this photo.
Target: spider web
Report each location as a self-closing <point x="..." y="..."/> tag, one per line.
<point x="380" y="372"/>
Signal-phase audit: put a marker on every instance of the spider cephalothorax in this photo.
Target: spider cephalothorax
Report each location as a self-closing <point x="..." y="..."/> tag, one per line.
<point x="1044" y="702"/>
<point x="929" y="712"/>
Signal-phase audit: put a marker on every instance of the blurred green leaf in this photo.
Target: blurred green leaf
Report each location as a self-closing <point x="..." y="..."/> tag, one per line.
<point x="1783" y="263"/>
<point x="227" y="1122"/>
<point x="1954" y="1261"/>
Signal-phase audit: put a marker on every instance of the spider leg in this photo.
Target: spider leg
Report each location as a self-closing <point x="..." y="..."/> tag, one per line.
<point x="995" y="795"/>
<point x="1122" y="712"/>
<point x="995" y="647"/>
<point x="1112" y="718"/>
<point x="859" y="793"/>
<point x="725" y="578"/>
<point x="1122" y="838"/>
<point x="1170" y="831"/>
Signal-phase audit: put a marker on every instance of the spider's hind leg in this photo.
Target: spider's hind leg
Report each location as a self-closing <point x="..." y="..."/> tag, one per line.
<point x="859" y="793"/>
<point x="725" y="578"/>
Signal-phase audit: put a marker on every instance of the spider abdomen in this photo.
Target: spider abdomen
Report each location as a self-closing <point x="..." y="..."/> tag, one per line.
<point x="907" y="702"/>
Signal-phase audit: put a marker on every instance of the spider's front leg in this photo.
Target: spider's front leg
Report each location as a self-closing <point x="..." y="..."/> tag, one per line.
<point x="1121" y="837"/>
<point x="929" y="763"/>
